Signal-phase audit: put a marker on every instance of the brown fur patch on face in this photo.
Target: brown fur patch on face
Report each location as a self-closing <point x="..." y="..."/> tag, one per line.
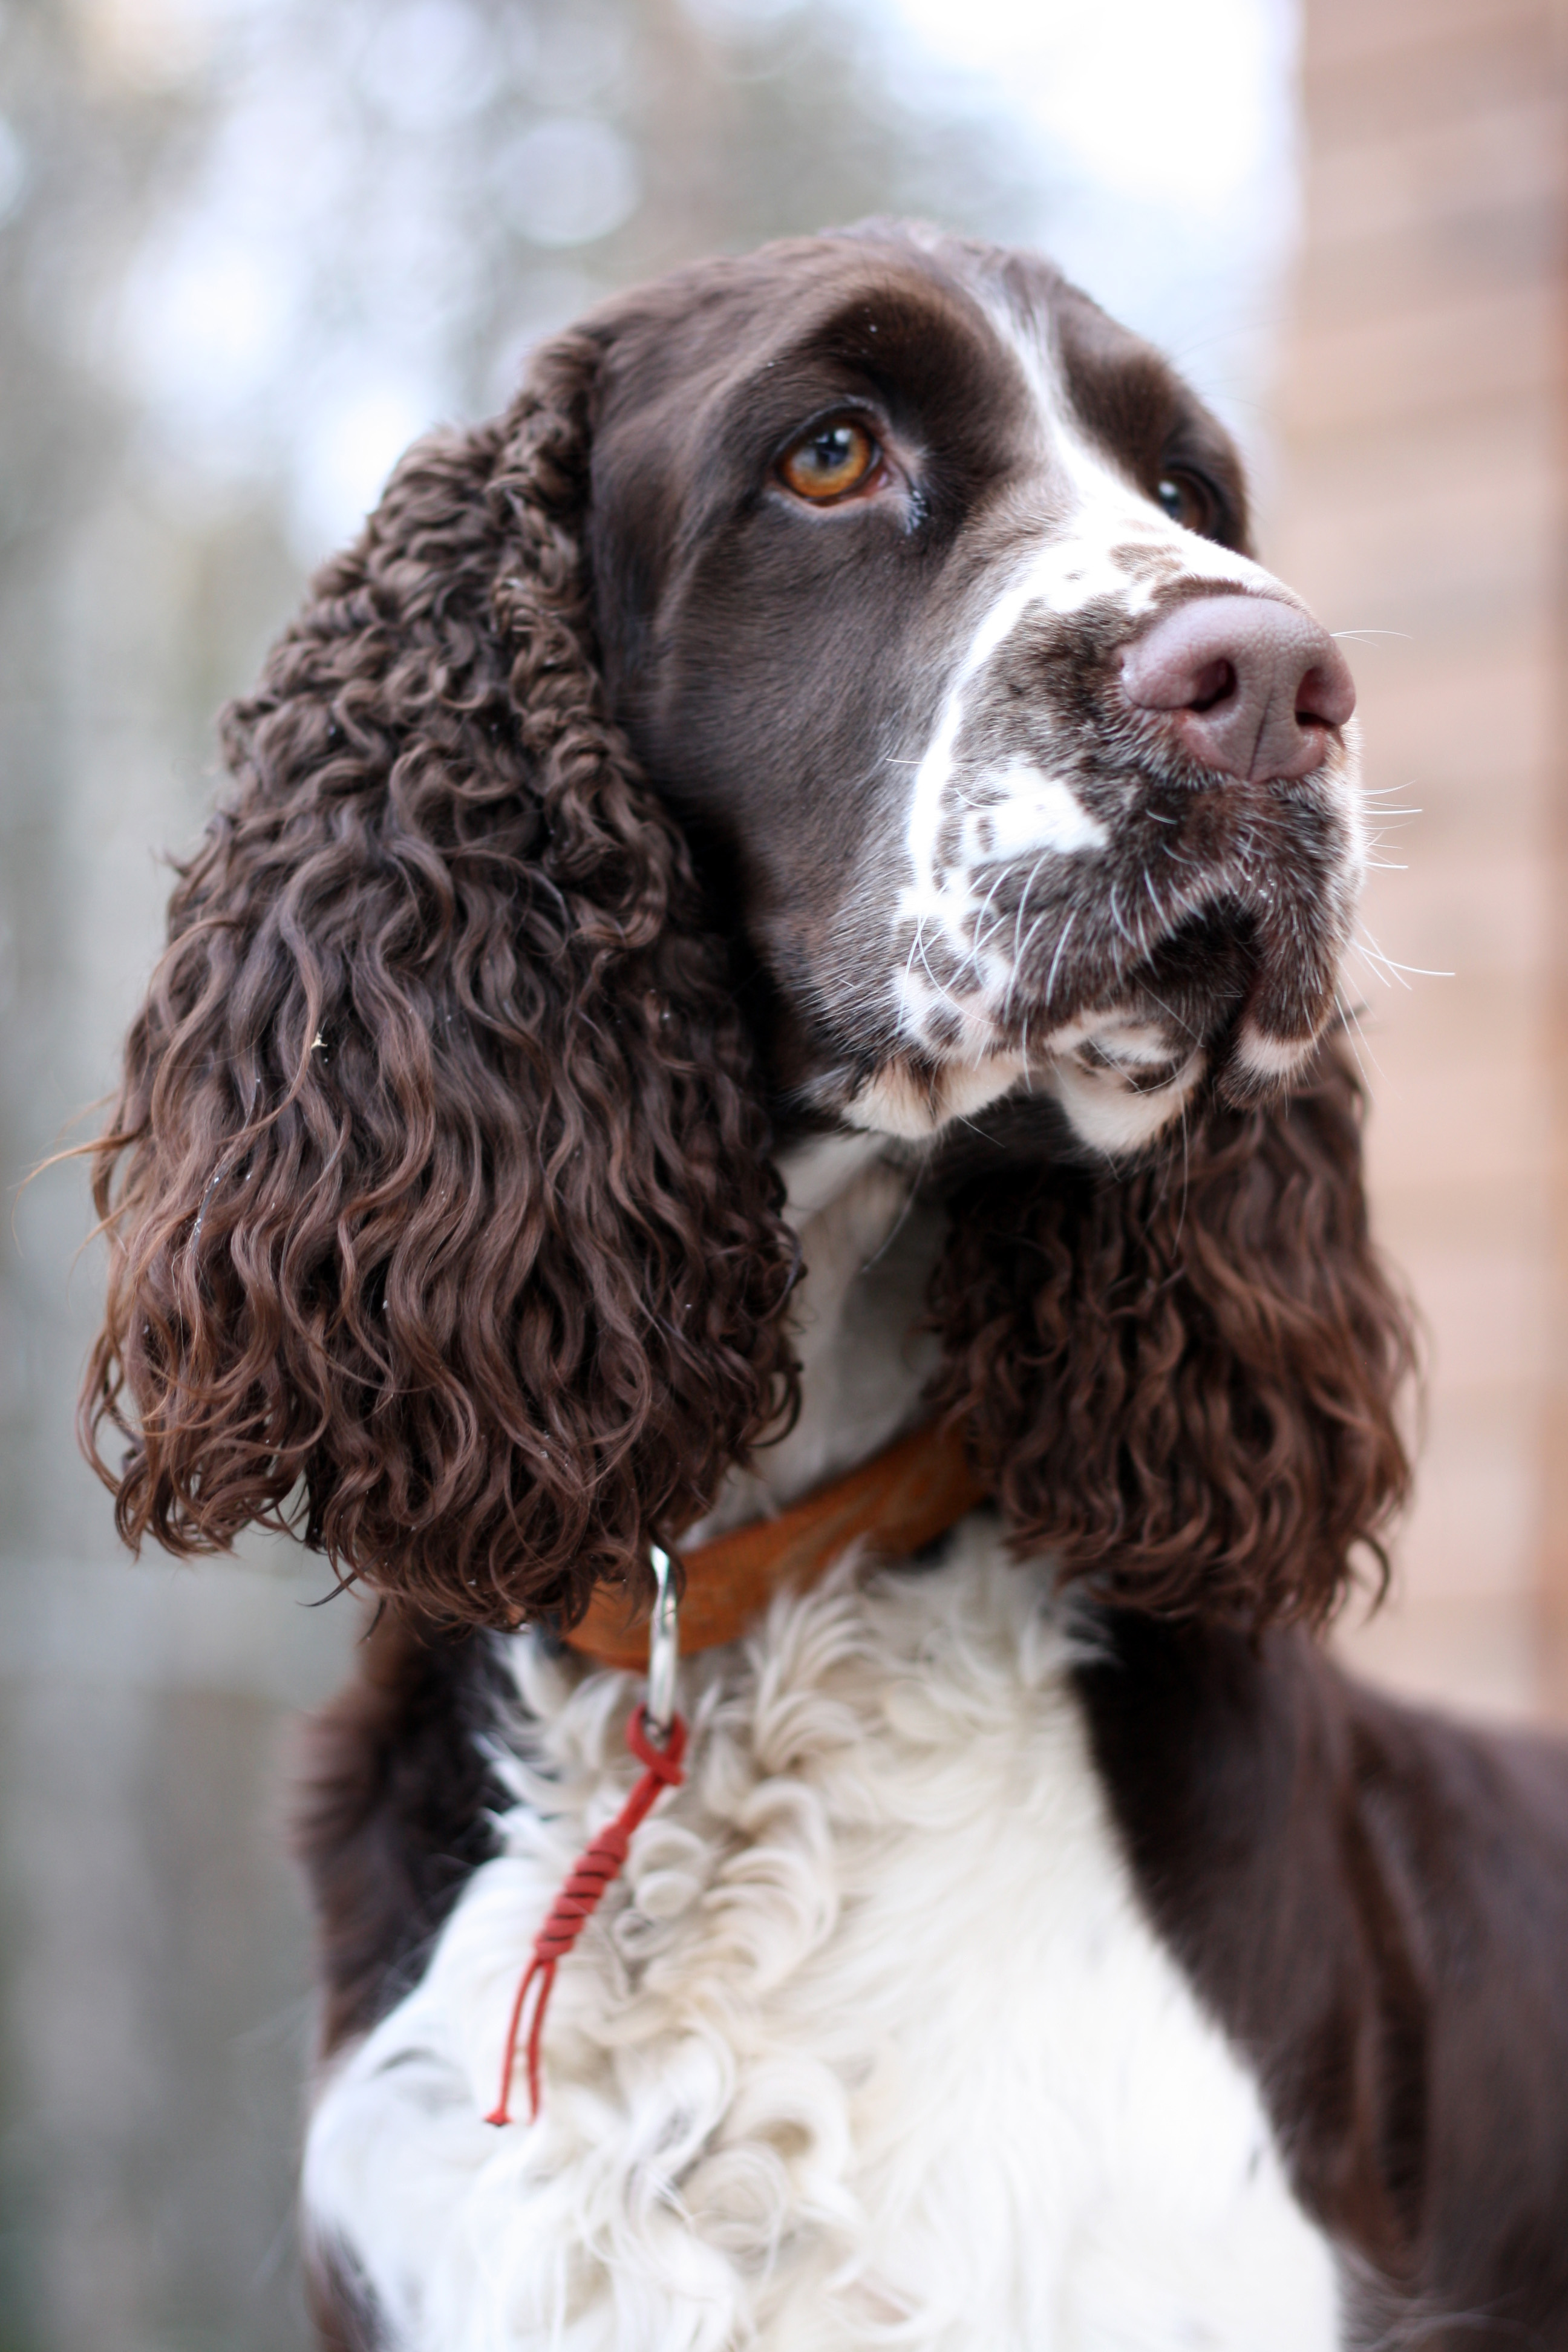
<point x="1135" y="407"/>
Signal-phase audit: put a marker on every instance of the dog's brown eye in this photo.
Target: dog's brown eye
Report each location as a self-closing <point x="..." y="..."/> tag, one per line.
<point x="1186" y="502"/>
<point x="829" y="461"/>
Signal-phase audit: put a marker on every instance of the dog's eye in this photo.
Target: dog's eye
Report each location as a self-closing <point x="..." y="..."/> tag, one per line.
<point x="829" y="461"/>
<point x="1187" y="501"/>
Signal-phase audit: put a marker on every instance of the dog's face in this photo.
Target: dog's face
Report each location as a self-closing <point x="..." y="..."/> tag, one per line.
<point x="924" y="599"/>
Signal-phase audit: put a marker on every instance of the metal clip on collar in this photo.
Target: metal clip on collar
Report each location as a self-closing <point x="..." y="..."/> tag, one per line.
<point x="656" y="1737"/>
<point x="663" y="1647"/>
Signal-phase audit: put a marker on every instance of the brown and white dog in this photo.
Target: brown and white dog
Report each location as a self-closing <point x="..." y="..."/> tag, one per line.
<point x="803" y="869"/>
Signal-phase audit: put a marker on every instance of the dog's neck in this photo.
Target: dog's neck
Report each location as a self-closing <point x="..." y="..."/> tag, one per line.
<point x="867" y="1248"/>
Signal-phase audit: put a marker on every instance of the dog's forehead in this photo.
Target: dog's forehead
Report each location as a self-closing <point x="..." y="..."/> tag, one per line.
<point x="752" y="349"/>
<point x="993" y="348"/>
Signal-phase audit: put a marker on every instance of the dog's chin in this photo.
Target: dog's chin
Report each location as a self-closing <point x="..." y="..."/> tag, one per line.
<point x="1111" y="1086"/>
<point x="1229" y="1005"/>
<point x="1118" y="1116"/>
<point x="1089" y="1092"/>
<point x="912" y="1099"/>
<point x="1257" y="1069"/>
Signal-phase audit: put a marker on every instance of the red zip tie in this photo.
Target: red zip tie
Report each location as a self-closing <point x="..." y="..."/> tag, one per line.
<point x="597" y="1867"/>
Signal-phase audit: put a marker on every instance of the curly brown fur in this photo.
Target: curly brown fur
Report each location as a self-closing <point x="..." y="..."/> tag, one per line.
<point x="441" y="1216"/>
<point x="442" y="1222"/>
<point x="1184" y="1382"/>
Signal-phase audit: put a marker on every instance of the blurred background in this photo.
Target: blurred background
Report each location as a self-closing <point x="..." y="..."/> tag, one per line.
<point x="248" y="250"/>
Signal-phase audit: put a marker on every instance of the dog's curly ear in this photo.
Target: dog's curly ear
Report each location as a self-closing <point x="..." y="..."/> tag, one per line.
<point x="441" y="1219"/>
<point x="1186" y="1382"/>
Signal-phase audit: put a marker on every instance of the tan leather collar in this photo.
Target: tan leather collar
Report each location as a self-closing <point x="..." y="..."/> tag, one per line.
<point x="901" y="1499"/>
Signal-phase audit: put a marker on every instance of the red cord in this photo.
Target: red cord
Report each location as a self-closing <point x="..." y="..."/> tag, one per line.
<point x="594" y="1869"/>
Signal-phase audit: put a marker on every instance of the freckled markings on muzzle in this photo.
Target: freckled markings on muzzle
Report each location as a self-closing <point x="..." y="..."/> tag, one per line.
<point x="1224" y="923"/>
<point x="1013" y="925"/>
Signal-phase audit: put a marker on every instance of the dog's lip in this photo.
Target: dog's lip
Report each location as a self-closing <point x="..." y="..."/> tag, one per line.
<point x="1139" y="1077"/>
<point x="1208" y="956"/>
<point x="1179" y="998"/>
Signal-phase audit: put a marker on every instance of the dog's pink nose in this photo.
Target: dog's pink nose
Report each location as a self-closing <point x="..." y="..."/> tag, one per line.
<point x="1253" y="684"/>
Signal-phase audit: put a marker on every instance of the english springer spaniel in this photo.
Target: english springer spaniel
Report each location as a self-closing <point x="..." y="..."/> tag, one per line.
<point x="794" y="882"/>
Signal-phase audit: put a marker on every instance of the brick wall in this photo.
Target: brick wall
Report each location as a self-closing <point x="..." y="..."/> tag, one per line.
<point x="1424" y="425"/>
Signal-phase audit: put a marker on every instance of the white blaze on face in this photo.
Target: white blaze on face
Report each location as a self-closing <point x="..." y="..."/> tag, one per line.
<point x="964" y="829"/>
<point x="1059" y="578"/>
<point x="1024" y="812"/>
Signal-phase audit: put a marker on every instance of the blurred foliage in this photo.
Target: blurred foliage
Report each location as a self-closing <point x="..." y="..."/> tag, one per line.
<point x="279" y="230"/>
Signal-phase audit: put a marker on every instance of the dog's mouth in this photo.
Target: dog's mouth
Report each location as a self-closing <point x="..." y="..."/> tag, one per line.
<point x="1237" y="937"/>
<point x="1235" y="995"/>
<point x="1226" y="1000"/>
<point x="1225" y="986"/>
<point x="1177" y="1024"/>
<point x="1086" y="895"/>
<point x="1240" y="963"/>
<point x="1113" y="923"/>
<point x="1198" y="948"/>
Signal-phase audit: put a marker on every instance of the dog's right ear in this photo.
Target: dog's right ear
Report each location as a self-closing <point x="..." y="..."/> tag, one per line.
<point x="441" y="1219"/>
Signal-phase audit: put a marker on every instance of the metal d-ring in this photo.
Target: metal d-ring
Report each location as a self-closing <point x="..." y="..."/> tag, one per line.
<point x="663" y="1646"/>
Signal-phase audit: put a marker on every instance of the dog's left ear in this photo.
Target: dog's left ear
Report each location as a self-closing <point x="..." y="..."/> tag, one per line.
<point x="1184" y="1382"/>
<point x="441" y="1219"/>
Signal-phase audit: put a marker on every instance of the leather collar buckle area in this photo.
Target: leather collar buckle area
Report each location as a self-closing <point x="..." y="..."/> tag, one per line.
<point x="903" y="1499"/>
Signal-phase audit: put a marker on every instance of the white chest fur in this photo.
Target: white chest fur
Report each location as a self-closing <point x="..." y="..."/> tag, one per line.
<point x="872" y="2048"/>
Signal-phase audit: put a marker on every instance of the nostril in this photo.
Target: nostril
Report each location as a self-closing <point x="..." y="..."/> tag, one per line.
<point x="1212" y="684"/>
<point x="1323" y="699"/>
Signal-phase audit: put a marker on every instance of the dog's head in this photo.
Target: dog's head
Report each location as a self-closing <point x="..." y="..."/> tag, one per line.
<point x="922" y="590"/>
<point x="837" y="694"/>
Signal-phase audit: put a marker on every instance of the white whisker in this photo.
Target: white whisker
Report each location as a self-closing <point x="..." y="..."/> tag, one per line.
<point x="1017" y="929"/>
<point x="1418" y="971"/>
<point x="1002" y="872"/>
<point x="1352" y="1015"/>
<point x="1055" y="959"/>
